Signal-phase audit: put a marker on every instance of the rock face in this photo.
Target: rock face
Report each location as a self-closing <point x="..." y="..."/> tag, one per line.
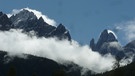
<point x="5" y="23"/>
<point x="28" y="21"/>
<point x="105" y="37"/>
<point x="92" y="44"/>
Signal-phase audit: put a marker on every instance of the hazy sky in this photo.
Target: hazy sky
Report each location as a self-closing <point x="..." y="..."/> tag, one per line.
<point x="84" y="18"/>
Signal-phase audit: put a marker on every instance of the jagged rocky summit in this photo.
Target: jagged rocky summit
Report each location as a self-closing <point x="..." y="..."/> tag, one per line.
<point x="108" y="43"/>
<point x="28" y="21"/>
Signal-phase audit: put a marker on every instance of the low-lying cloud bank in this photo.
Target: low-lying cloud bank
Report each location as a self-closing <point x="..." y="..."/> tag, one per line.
<point x="15" y="42"/>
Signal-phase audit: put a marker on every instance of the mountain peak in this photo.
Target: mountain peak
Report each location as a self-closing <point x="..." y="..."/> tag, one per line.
<point x="61" y="32"/>
<point x="41" y="19"/>
<point x="61" y="26"/>
<point x="22" y="18"/>
<point x="105" y="37"/>
<point x="108" y="36"/>
<point x="107" y="43"/>
<point x="24" y="14"/>
<point x="111" y="32"/>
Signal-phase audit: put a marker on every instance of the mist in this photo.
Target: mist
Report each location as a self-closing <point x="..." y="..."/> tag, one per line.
<point x="17" y="43"/>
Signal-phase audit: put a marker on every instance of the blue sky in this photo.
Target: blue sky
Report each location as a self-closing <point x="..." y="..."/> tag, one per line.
<point x="84" y="18"/>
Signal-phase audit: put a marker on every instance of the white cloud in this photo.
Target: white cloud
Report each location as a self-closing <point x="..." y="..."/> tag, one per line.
<point x="14" y="11"/>
<point x="126" y="61"/>
<point x="128" y="28"/>
<point x="17" y="43"/>
<point x="115" y="45"/>
<point x="37" y="13"/>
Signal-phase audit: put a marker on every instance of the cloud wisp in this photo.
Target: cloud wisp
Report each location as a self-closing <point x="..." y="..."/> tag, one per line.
<point x="37" y="13"/>
<point x="16" y="43"/>
<point x="127" y="29"/>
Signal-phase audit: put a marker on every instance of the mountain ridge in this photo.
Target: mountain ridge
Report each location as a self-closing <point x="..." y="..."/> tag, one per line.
<point x="28" y="21"/>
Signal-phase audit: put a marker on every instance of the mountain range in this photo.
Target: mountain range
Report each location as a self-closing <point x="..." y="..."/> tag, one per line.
<point x="38" y="66"/>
